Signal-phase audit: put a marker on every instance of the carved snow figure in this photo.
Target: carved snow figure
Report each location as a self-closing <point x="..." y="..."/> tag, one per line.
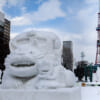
<point x="35" y="62"/>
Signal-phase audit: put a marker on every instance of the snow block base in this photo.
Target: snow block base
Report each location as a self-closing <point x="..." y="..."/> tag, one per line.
<point x="58" y="94"/>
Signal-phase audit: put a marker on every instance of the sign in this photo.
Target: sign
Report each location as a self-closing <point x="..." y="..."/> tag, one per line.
<point x="98" y="42"/>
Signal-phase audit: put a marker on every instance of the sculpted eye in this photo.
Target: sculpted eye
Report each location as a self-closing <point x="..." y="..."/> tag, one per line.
<point x="23" y="41"/>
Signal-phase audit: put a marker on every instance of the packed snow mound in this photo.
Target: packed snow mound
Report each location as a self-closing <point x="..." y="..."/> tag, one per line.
<point x="73" y="93"/>
<point x="98" y="74"/>
<point x="35" y="62"/>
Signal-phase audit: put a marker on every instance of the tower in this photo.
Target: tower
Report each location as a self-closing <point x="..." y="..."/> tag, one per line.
<point x="97" y="60"/>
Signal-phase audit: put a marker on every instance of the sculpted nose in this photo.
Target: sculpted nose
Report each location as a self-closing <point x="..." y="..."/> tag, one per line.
<point x="23" y="51"/>
<point x="19" y="52"/>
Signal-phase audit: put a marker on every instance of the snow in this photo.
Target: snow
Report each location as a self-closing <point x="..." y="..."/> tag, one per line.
<point x="47" y="79"/>
<point x="58" y="94"/>
<point x="85" y="93"/>
<point x="34" y="70"/>
<point x="35" y="63"/>
<point x="98" y="74"/>
<point x="90" y="93"/>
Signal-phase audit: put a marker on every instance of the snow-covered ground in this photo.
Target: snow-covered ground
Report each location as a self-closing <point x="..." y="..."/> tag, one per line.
<point x="90" y="93"/>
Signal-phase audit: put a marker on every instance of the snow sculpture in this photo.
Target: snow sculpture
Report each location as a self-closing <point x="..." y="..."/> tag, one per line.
<point x="35" y="62"/>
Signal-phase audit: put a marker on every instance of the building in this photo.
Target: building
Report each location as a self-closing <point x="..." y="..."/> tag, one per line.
<point x="67" y="55"/>
<point x="4" y="38"/>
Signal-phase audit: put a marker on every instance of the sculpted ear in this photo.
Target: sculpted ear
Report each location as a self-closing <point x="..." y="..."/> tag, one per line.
<point x="12" y="45"/>
<point x="56" y="44"/>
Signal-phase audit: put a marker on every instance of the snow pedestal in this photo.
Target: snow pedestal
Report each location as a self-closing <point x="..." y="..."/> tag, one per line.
<point x="58" y="94"/>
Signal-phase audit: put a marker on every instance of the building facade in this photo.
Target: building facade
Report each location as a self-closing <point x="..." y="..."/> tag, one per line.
<point x="4" y="38"/>
<point x="67" y="55"/>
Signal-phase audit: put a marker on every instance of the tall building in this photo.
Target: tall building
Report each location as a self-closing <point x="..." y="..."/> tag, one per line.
<point x="67" y="55"/>
<point x="4" y="38"/>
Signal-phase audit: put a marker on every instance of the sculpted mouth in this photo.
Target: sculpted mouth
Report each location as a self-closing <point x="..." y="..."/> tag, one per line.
<point x="22" y="68"/>
<point x="23" y="64"/>
<point x="45" y="71"/>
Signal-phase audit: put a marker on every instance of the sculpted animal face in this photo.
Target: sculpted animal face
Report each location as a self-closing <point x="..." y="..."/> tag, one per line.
<point x="45" y="68"/>
<point x="28" y="49"/>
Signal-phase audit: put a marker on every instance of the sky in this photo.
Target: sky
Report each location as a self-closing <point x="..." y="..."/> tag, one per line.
<point x="74" y="20"/>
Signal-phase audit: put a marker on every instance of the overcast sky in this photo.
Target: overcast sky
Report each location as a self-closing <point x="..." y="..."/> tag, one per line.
<point x="74" y="20"/>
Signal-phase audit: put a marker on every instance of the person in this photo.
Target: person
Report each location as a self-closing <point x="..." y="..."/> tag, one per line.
<point x="79" y="72"/>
